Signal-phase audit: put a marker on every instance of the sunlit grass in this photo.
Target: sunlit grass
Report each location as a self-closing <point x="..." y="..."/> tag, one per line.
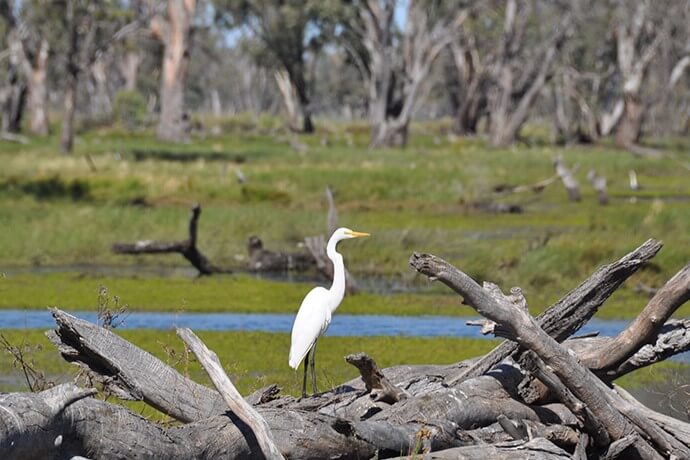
<point x="255" y="359"/>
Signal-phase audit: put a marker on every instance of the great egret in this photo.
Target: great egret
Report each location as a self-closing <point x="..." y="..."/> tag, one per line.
<point x="314" y="314"/>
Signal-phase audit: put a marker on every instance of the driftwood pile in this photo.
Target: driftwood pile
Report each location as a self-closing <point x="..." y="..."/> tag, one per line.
<point x="539" y="395"/>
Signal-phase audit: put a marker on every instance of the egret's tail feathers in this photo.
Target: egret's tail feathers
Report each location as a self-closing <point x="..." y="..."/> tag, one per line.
<point x="296" y="357"/>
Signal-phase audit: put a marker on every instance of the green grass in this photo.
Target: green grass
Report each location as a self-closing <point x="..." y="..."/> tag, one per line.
<point x="58" y="211"/>
<point x="245" y="294"/>
<point x="61" y="212"/>
<point x="255" y="359"/>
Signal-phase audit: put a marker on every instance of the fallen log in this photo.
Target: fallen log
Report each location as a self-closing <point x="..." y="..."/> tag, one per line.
<point x="264" y="260"/>
<point x="188" y="248"/>
<point x="605" y="406"/>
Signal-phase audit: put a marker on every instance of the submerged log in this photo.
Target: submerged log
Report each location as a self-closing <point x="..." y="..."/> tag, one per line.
<point x="188" y="248"/>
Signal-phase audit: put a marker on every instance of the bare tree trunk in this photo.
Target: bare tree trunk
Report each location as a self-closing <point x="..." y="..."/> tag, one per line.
<point x="471" y="97"/>
<point x="509" y="101"/>
<point x="425" y="36"/>
<point x="129" y="68"/>
<point x="38" y="92"/>
<point x="633" y="62"/>
<point x="68" y="109"/>
<point x="176" y="36"/>
<point x="12" y="100"/>
<point x="102" y="105"/>
<point x="630" y="125"/>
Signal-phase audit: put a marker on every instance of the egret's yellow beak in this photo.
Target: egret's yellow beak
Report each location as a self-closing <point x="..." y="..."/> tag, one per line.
<point x="358" y="234"/>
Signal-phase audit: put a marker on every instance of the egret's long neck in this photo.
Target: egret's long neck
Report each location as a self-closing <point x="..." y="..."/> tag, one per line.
<point x="337" y="289"/>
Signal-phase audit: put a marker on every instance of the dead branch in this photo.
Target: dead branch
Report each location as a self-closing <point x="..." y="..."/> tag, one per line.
<point x="209" y="360"/>
<point x="571" y="312"/>
<point x="379" y="387"/>
<point x="265" y="260"/>
<point x="188" y="248"/>
<point x="645" y="328"/>
<point x="578" y="379"/>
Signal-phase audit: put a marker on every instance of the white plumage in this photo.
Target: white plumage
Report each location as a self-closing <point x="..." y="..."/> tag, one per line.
<point x="315" y="312"/>
<point x="310" y="323"/>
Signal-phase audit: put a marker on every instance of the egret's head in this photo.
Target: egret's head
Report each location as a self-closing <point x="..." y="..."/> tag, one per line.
<point x="344" y="233"/>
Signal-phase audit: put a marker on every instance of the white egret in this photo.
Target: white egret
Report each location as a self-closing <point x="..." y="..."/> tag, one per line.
<point x="314" y="314"/>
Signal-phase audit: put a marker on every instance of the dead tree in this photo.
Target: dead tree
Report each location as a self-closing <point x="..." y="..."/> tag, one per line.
<point x="517" y="80"/>
<point x="188" y="248"/>
<point x="421" y="411"/>
<point x="395" y="87"/>
<point x="175" y="32"/>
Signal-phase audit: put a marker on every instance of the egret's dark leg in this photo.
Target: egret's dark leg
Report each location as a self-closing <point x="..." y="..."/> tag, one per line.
<point x="304" y="381"/>
<point x="313" y="371"/>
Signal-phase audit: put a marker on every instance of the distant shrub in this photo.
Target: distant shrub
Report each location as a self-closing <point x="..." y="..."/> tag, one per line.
<point x="130" y="110"/>
<point x="48" y="188"/>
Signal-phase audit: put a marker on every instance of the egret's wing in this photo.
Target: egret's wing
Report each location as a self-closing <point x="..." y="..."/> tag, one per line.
<point x="311" y="321"/>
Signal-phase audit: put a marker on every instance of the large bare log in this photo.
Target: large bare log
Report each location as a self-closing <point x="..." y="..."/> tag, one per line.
<point x="536" y="449"/>
<point x="209" y="360"/>
<point x="187" y="248"/>
<point x="58" y="423"/>
<point x="572" y="311"/>
<point x="125" y="370"/>
<point x="645" y="328"/>
<point x="578" y="379"/>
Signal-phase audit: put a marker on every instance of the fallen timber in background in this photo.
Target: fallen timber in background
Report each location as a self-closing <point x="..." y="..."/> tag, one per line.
<point x="552" y="398"/>
<point x="187" y="248"/>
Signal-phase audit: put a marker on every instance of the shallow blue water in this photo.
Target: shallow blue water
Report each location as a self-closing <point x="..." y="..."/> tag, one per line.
<point x="342" y="324"/>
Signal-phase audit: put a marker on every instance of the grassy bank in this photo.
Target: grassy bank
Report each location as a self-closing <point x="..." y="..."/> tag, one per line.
<point x="245" y="294"/>
<point x="69" y="210"/>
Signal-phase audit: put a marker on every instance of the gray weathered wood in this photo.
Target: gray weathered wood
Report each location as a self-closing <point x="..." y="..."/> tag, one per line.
<point x="572" y="311"/>
<point x="536" y="449"/>
<point x="210" y="362"/>
<point x="578" y="379"/>
<point x="645" y="327"/>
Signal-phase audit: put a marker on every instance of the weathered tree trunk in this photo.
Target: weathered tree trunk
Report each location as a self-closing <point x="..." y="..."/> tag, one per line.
<point x="425" y="36"/>
<point x="101" y="105"/>
<point x="35" y="74"/>
<point x="509" y="101"/>
<point x="129" y="68"/>
<point x="71" y="79"/>
<point x="68" y="108"/>
<point x="632" y="62"/>
<point x="629" y="128"/>
<point x="12" y="102"/>
<point x="175" y="33"/>
<point x="38" y="92"/>
<point x="472" y="96"/>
